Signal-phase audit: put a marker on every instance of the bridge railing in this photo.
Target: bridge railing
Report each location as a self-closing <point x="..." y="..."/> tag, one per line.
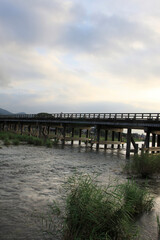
<point x="138" y="116"/>
<point x="121" y="116"/>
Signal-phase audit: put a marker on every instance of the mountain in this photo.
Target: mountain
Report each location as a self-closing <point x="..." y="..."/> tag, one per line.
<point x="5" y="112"/>
<point x="21" y="113"/>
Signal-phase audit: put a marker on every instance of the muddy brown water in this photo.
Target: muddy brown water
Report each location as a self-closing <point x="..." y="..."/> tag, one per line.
<point x="32" y="177"/>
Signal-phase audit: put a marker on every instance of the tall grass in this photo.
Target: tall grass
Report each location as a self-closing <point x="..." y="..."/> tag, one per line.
<point x="93" y="212"/>
<point x="144" y="165"/>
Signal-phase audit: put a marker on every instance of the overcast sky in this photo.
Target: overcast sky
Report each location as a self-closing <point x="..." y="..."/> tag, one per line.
<point x="80" y="55"/>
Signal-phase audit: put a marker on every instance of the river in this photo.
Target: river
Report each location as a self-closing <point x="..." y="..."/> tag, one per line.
<point x="32" y="177"/>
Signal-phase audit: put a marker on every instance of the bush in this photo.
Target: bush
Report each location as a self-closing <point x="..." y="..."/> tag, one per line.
<point x="49" y="143"/>
<point x="145" y="165"/>
<point x="7" y="142"/>
<point x="15" y="142"/>
<point x="93" y="212"/>
<point x="38" y="142"/>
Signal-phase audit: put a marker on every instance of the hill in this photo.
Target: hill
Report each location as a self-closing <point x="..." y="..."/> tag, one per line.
<point x="4" y="112"/>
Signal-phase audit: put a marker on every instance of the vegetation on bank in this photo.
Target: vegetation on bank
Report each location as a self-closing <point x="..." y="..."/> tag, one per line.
<point x="93" y="212"/>
<point x="9" y="138"/>
<point x="144" y="165"/>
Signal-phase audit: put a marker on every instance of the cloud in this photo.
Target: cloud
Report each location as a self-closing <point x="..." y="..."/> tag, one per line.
<point x="75" y="55"/>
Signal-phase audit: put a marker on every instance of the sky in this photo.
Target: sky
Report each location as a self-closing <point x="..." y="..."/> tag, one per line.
<point x="80" y="55"/>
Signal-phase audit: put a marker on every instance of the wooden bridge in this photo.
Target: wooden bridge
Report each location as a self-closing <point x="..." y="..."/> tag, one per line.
<point x="59" y="125"/>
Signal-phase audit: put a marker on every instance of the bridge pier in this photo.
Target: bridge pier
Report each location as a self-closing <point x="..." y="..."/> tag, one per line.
<point x="147" y="140"/>
<point x="21" y="128"/>
<point x="128" y="147"/>
<point x="153" y="140"/>
<point x="87" y="136"/>
<point x="98" y="137"/>
<point x="72" y="136"/>
<point x="119" y="139"/>
<point x="80" y="135"/>
<point x="158" y="142"/>
<point x="106" y="138"/>
<point x="64" y="134"/>
<point x="113" y="137"/>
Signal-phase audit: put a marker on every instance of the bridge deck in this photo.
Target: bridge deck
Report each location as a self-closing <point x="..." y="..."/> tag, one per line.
<point x="121" y="120"/>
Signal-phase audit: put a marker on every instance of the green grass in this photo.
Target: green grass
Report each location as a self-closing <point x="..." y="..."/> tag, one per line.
<point x="15" y="139"/>
<point x="144" y="165"/>
<point x="93" y="212"/>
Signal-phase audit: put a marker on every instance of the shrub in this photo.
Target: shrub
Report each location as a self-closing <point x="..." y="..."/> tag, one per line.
<point x="98" y="213"/>
<point x="38" y="142"/>
<point x="49" y="143"/>
<point x="15" y="142"/>
<point x="145" y="165"/>
<point x="7" y="142"/>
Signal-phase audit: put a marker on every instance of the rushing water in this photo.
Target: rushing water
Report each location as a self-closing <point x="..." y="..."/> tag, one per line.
<point x="31" y="177"/>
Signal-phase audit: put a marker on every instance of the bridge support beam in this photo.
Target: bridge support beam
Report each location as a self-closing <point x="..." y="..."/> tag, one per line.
<point x="134" y="145"/>
<point x="153" y="140"/>
<point x="64" y="134"/>
<point x="106" y="138"/>
<point x="147" y="139"/>
<point x="21" y="127"/>
<point x="98" y="137"/>
<point x="119" y="139"/>
<point x="113" y="136"/>
<point x="29" y="130"/>
<point x="72" y="136"/>
<point x="80" y="135"/>
<point x="158" y="142"/>
<point x="128" y="148"/>
<point x="87" y="136"/>
<point x="48" y="131"/>
<point x="39" y="131"/>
